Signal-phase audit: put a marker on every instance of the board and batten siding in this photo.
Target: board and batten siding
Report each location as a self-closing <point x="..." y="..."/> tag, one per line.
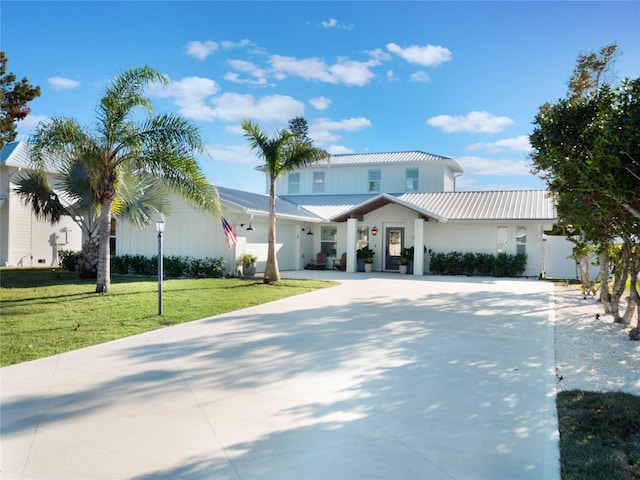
<point x="341" y="179"/>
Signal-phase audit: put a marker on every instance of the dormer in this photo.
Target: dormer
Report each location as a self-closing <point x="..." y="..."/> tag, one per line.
<point x="394" y="172"/>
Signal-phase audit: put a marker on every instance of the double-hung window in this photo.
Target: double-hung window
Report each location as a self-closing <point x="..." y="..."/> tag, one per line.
<point x="411" y="180"/>
<point x="374" y="180"/>
<point x="294" y="183"/>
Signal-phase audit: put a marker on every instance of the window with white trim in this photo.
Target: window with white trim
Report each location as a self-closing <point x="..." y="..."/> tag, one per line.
<point x="521" y="240"/>
<point x="374" y="180"/>
<point x="411" y="183"/>
<point x="502" y="240"/>
<point x="294" y="183"/>
<point x="318" y="182"/>
<point x="328" y="241"/>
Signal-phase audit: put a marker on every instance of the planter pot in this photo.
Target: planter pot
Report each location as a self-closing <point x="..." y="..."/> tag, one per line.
<point x="249" y="271"/>
<point x="360" y="262"/>
<point x="403" y="268"/>
<point x="368" y="267"/>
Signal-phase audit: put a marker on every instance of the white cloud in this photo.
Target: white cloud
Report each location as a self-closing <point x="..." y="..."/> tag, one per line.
<point x="338" y="149"/>
<point x="201" y="50"/>
<point x="231" y="153"/>
<point x="190" y="95"/>
<point x="483" y="122"/>
<point x="518" y="144"/>
<point x="345" y="71"/>
<point x="391" y="76"/>
<point x="258" y="75"/>
<point x="332" y="22"/>
<point x="231" y="107"/>
<point x="320" y="103"/>
<point x="494" y="167"/>
<point x="321" y="130"/>
<point x="379" y="54"/>
<point x="62" y="83"/>
<point x="429" y="55"/>
<point x="229" y="44"/>
<point x="420" y="77"/>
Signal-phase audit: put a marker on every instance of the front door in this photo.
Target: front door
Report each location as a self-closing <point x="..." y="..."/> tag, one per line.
<point x="394" y="241"/>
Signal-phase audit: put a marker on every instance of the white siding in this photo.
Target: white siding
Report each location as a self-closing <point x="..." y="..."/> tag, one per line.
<point x="341" y="180"/>
<point x="26" y="241"/>
<point x="481" y="238"/>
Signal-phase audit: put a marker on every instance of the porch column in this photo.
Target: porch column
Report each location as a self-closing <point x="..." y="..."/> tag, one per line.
<point x="297" y="248"/>
<point x="352" y="237"/>
<point x="418" y="250"/>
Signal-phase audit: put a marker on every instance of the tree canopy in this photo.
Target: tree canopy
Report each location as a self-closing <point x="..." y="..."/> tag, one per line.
<point x="587" y="148"/>
<point x="14" y="96"/>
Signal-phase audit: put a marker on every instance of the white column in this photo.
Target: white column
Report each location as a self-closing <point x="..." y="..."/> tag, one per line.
<point x="352" y="238"/>
<point x="297" y="248"/>
<point x="418" y="251"/>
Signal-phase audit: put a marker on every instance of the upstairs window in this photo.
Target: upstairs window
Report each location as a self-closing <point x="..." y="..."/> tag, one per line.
<point x="294" y="183"/>
<point x="318" y="182"/>
<point x="374" y="180"/>
<point x="411" y="183"/>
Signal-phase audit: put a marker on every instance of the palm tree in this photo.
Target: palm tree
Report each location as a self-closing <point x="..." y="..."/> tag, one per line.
<point x="139" y="197"/>
<point x="159" y="146"/>
<point x="283" y="152"/>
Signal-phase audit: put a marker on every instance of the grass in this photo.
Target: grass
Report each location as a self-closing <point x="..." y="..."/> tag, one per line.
<point x="599" y="435"/>
<point x="44" y="312"/>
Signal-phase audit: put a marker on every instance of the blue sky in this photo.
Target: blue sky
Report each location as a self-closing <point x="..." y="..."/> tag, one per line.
<point x="459" y="79"/>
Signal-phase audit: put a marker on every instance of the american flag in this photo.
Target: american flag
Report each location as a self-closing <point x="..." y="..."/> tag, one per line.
<point x="229" y="234"/>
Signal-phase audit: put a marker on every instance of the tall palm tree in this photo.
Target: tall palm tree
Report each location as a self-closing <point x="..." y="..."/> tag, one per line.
<point x="283" y="152"/>
<point x="124" y="143"/>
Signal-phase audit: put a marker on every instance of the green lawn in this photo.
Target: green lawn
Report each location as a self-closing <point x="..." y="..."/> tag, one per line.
<point x="44" y="312"/>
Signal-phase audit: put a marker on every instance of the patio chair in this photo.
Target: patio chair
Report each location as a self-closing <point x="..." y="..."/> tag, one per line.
<point x="321" y="261"/>
<point x="341" y="264"/>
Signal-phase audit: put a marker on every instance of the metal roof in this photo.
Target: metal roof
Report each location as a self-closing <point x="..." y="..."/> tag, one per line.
<point x="15" y="154"/>
<point x="486" y="205"/>
<point x="385" y="158"/>
<point x="505" y="205"/>
<point x="258" y="204"/>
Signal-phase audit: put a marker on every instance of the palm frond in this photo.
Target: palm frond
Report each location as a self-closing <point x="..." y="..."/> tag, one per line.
<point x="34" y="189"/>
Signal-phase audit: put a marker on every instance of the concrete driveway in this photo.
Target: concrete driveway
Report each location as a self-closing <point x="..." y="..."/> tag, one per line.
<point x="384" y="377"/>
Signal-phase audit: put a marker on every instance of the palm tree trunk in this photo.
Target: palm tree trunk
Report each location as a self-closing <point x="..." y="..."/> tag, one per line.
<point x="271" y="272"/>
<point x="103" y="284"/>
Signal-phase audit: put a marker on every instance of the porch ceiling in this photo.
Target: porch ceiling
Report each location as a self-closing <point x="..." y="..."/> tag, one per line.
<point x="374" y="204"/>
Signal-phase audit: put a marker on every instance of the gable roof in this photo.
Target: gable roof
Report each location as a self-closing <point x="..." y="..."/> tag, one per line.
<point x="532" y="205"/>
<point x="15" y="154"/>
<point x="258" y="204"/>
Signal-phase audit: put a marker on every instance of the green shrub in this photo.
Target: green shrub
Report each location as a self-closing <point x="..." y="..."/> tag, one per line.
<point x="68" y="259"/>
<point x="173" y="266"/>
<point x="485" y="264"/>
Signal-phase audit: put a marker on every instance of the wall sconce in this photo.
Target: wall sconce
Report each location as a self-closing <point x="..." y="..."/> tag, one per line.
<point x="309" y="232"/>
<point x="374" y="231"/>
<point x="249" y="228"/>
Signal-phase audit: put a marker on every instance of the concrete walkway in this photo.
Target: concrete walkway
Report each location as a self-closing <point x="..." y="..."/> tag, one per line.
<point x="384" y="377"/>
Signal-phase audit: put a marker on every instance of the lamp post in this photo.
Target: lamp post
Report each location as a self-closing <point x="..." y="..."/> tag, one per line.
<point x="160" y="230"/>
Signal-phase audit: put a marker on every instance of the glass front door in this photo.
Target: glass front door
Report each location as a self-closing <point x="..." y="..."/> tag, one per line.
<point x="394" y="241"/>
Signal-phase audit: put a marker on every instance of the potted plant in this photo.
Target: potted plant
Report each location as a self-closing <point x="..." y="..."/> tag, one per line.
<point x="248" y="262"/>
<point x="362" y="254"/>
<point x="403" y="265"/>
<point x="406" y="260"/>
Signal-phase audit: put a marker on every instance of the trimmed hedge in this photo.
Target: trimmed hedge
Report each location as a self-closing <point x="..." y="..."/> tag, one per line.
<point x="482" y="264"/>
<point x="172" y="266"/>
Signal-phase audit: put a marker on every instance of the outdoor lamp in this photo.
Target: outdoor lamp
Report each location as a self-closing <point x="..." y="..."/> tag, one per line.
<point x="160" y="230"/>
<point x="374" y="231"/>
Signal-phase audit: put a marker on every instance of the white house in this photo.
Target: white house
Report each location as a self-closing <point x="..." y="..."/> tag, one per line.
<point x="26" y="241"/>
<point x="386" y="201"/>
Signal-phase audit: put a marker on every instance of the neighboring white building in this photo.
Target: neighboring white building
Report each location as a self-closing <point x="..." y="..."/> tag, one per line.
<point x="26" y="241"/>
<point x="387" y="201"/>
